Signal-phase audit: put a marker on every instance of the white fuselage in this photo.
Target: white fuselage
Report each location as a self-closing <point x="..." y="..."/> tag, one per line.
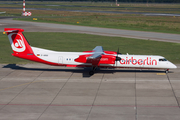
<point x="127" y="61"/>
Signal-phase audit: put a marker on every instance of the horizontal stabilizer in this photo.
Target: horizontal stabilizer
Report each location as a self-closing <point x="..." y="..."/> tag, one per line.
<point x="13" y="30"/>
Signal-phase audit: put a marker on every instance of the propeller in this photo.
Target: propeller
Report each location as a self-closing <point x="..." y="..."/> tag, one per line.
<point x="117" y="58"/>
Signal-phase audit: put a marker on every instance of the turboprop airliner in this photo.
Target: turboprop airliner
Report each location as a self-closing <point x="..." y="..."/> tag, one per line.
<point x="96" y="58"/>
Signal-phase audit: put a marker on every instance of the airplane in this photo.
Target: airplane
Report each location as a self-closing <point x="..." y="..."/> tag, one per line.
<point x="96" y="58"/>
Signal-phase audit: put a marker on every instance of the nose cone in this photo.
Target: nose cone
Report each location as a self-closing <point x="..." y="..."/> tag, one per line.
<point x="173" y="66"/>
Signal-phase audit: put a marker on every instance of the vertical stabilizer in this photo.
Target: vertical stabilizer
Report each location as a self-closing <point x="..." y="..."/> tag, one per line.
<point x="18" y="42"/>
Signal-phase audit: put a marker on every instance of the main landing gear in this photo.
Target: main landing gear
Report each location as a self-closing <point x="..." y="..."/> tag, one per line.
<point x="92" y="71"/>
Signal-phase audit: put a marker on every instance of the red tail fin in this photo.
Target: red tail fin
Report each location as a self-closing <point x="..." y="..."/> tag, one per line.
<point x="18" y="42"/>
<point x="21" y="47"/>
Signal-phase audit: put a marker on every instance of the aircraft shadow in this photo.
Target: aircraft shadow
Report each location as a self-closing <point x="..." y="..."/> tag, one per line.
<point x="84" y="71"/>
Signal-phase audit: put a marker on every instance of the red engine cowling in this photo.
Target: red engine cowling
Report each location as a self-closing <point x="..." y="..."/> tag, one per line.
<point x="104" y="59"/>
<point x="107" y="59"/>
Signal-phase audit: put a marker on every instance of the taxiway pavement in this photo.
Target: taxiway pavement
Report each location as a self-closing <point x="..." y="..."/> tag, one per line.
<point x="50" y="27"/>
<point x="42" y="92"/>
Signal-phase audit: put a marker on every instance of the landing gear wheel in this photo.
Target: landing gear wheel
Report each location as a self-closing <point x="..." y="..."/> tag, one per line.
<point x="167" y="70"/>
<point x="91" y="72"/>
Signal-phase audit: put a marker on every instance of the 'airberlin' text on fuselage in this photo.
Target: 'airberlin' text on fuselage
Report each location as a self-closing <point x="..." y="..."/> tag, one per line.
<point x="147" y="61"/>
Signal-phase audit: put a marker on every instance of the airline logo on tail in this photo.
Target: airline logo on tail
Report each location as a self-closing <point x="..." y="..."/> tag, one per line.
<point x="17" y="42"/>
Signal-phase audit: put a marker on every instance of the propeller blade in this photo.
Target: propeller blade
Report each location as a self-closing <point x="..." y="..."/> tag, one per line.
<point x="118" y="51"/>
<point x="117" y="58"/>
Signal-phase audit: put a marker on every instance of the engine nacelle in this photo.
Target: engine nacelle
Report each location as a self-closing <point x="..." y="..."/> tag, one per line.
<point x="104" y="59"/>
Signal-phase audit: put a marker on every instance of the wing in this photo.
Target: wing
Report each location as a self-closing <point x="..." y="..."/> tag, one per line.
<point x="98" y="49"/>
<point x="97" y="52"/>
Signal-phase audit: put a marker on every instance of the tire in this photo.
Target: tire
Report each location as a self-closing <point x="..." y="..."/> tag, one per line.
<point x="91" y="72"/>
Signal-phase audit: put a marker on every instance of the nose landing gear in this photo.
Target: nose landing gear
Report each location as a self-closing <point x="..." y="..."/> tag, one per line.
<point x="167" y="70"/>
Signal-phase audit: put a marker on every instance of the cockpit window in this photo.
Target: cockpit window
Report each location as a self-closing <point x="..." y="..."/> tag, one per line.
<point x="163" y="59"/>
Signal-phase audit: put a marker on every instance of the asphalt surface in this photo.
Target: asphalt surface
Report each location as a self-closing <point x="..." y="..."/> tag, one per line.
<point x="49" y="27"/>
<point x="42" y="92"/>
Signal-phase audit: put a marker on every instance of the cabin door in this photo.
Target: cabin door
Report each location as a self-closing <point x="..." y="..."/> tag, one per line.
<point x="60" y="60"/>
